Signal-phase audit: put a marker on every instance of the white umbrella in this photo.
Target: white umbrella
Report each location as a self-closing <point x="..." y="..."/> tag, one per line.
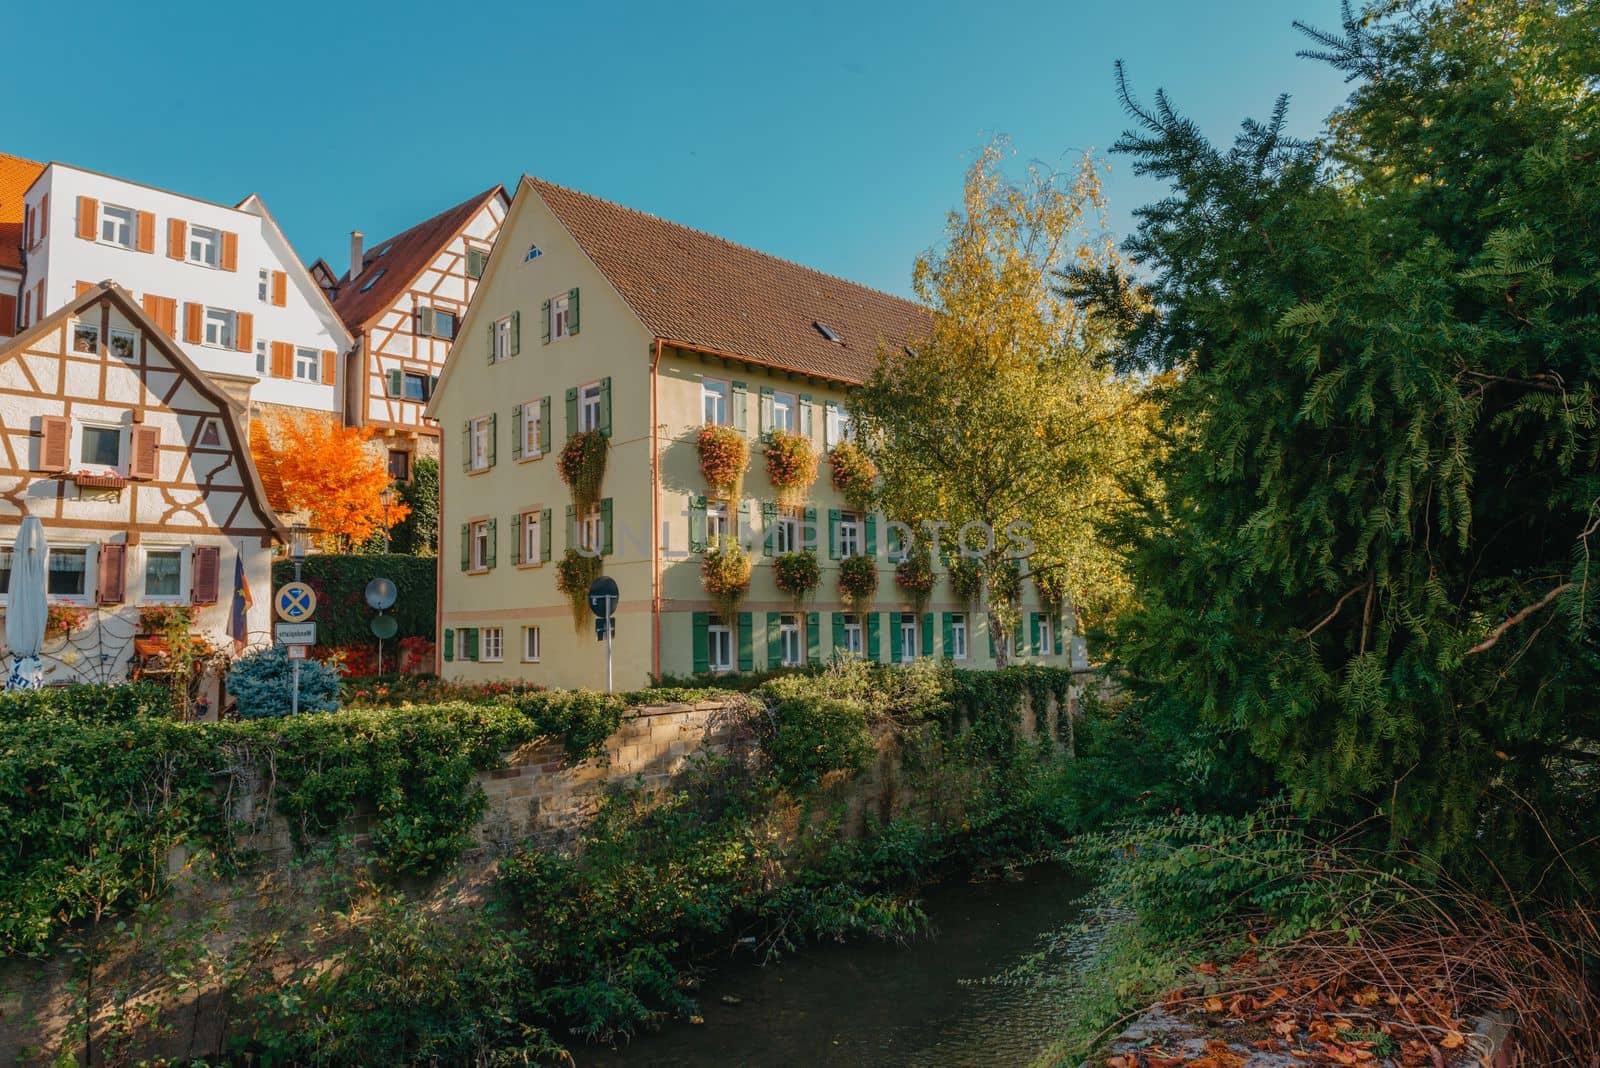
<point x="26" y="608"/>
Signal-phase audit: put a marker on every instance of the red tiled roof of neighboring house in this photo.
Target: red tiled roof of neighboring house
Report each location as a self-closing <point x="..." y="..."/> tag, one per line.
<point x="16" y="175"/>
<point x="691" y="287"/>
<point x="400" y="259"/>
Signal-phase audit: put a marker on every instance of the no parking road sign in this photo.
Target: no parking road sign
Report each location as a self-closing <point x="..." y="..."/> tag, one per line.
<point x="295" y="602"/>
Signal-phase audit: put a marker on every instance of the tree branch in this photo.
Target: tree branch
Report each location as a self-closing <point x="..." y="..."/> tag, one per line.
<point x="1495" y="634"/>
<point x="1330" y="616"/>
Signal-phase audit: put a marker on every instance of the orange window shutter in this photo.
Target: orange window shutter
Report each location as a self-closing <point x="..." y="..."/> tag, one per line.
<point x="328" y="369"/>
<point x="53" y="443"/>
<point x="177" y="234"/>
<point x="146" y="238"/>
<point x="282" y="359"/>
<point x="145" y="462"/>
<point x="280" y="289"/>
<point x="8" y="314"/>
<point x="207" y="572"/>
<point x="192" y="317"/>
<point x="88" y="218"/>
<point x="247" y="332"/>
<point x="230" y="251"/>
<point x="113" y="558"/>
<point x="83" y="287"/>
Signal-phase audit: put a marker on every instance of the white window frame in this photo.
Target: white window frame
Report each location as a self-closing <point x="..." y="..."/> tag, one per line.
<point x="79" y="463"/>
<point x="478" y="546"/>
<point x="785" y="533"/>
<point x="785" y="412"/>
<point x="491" y="644"/>
<point x="854" y="636"/>
<point x="144" y="574"/>
<point x="307" y="365"/>
<point x="461" y="643"/>
<point x="530" y="431"/>
<point x="958" y="636"/>
<point x="261" y="357"/>
<point x="87" y="329"/>
<point x="117" y="333"/>
<point x="502" y="339"/>
<point x="851" y="534"/>
<point x="221" y="329"/>
<point x="908" y="637"/>
<point x="718" y="522"/>
<point x="714" y="408"/>
<point x="589" y="407"/>
<point x="838" y="425"/>
<point x="204" y="246"/>
<point x="532" y="540"/>
<point x="263" y="285"/>
<point x="90" y="558"/>
<point x="1047" y="636"/>
<point x="530" y="645"/>
<point x="478" y="442"/>
<point x="560" y="308"/>
<point x="115" y="217"/>
<point x="592" y="531"/>
<point x="791" y="651"/>
<point x="719" y="639"/>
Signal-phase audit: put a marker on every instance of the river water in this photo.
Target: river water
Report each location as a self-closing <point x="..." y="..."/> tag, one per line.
<point x="882" y="1005"/>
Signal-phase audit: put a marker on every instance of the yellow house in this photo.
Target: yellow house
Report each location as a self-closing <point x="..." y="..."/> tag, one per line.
<point x="592" y="317"/>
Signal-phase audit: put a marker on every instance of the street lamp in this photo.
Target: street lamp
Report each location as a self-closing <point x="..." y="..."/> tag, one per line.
<point x="387" y="497"/>
<point x="299" y="546"/>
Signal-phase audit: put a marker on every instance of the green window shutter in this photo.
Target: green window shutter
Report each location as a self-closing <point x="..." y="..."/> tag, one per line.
<point x="606" y="542"/>
<point x="702" y="647"/>
<point x="829" y="420"/>
<point x="476" y="259"/>
<point x="605" y="405"/>
<point x="449" y="644"/>
<point x="833" y="533"/>
<point x="894" y="548"/>
<point x="494" y="542"/>
<point x="572" y="310"/>
<point x="808" y="530"/>
<point x="740" y="402"/>
<point x="516" y="332"/>
<point x="466" y="546"/>
<point x="764" y="408"/>
<point x="804" y="422"/>
<point x="544" y="310"/>
<point x="697" y="524"/>
<point x="927" y="634"/>
<point x="869" y="543"/>
<point x="544" y="425"/>
<point x="949" y="635"/>
<point x="491" y="343"/>
<point x="747" y="656"/>
<point x="838" y="631"/>
<point x="774" y="639"/>
<point x="433" y="385"/>
<point x="813" y="638"/>
<point x="897" y="646"/>
<point x="872" y="636"/>
<point x="516" y="431"/>
<point x="769" y="516"/>
<point x="425" y="319"/>
<point x="466" y="445"/>
<point x="572" y="411"/>
<point x="494" y="438"/>
<point x="544" y="536"/>
<point x="396" y="382"/>
<point x="516" y="538"/>
<point x="472" y="643"/>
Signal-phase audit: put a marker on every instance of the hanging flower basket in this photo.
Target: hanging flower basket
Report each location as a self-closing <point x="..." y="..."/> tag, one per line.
<point x="1052" y="587"/>
<point x="966" y="578"/>
<point x="574" y="573"/>
<point x="791" y="465"/>
<point x="725" y="572"/>
<point x="724" y="455"/>
<point x="915" y="575"/>
<point x="797" y="574"/>
<point x="853" y="473"/>
<point x="858" y="580"/>
<point x="582" y="464"/>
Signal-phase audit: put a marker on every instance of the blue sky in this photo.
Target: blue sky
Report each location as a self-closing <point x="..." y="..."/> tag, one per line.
<point x="830" y="133"/>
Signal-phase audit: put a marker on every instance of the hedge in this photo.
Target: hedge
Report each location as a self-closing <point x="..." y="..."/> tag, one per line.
<point x="340" y="580"/>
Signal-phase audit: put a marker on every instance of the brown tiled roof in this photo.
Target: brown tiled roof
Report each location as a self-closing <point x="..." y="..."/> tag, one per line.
<point x="16" y="175"/>
<point x="404" y="256"/>
<point x="267" y="467"/>
<point x="688" y="286"/>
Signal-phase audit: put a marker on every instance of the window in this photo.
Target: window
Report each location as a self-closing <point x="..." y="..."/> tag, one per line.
<point x="560" y="316"/>
<point x="958" y="636"/>
<point x="589" y="408"/>
<point x="163" y="574"/>
<point x="68" y="571"/>
<point x="1047" y="637"/>
<point x="478" y="540"/>
<point x="502" y="339"/>
<point x="100" y="446"/>
<point x="530" y="430"/>
<point x="530" y="644"/>
<point x="211" y="434"/>
<point x="532" y="542"/>
<point x="413" y="386"/>
<point x="5" y="571"/>
<point x="828" y="332"/>
<point x="491" y="644"/>
<point x="783" y="412"/>
<point x="116" y="225"/>
<point x="908" y="637"/>
<point x="789" y="640"/>
<point x="838" y="425"/>
<point x="399" y="465"/>
<point x="477" y="259"/>
<point x="123" y="343"/>
<point x="220" y="326"/>
<point x="85" y="338"/>
<point x="592" y="532"/>
<point x="717" y="525"/>
<point x="714" y="398"/>
<point x="849" y="533"/>
<point x="205" y="245"/>
<point x="263" y="285"/>
<point x="444" y="324"/>
<point x="786" y="533"/>
<point x="261" y="357"/>
<point x="478" y="444"/>
<point x="719" y="645"/>
<point x="375" y="274"/>
<point x="308" y="365"/>
<point x="852" y="635"/>
<point x="463" y="644"/>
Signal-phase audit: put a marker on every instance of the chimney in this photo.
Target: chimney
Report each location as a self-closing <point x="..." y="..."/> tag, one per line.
<point x="355" y="254"/>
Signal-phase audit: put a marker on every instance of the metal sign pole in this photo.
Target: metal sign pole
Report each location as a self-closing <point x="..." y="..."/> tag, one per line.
<point x="294" y="698"/>
<point x="611" y="607"/>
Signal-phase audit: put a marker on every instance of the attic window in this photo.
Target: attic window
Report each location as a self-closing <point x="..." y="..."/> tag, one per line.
<point x="373" y="280"/>
<point x="382" y="249"/>
<point x="911" y="352"/>
<point x="827" y="332"/>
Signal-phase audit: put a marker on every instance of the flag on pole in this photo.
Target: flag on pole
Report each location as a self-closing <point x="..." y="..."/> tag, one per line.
<point x="238" y="626"/>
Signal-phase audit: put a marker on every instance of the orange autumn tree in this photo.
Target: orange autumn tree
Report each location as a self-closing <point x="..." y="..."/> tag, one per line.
<point x="328" y="471"/>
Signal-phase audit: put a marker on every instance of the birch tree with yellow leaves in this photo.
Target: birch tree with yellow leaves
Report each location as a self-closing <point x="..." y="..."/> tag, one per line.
<point x="1007" y="418"/>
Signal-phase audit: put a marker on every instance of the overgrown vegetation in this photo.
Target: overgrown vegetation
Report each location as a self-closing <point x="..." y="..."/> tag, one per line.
<point x="340" y="579"/>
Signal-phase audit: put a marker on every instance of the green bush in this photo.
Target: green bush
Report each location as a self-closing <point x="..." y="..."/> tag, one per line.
<point x="805" y="739"/>
<point x="340" y="580"/>
<point x="86" y="704"/>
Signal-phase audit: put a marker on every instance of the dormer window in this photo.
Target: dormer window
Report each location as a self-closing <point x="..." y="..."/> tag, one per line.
<point x="373" y="280"/>
<point x="827" y="332"/>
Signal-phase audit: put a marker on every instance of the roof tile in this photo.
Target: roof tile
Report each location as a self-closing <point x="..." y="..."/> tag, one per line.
<point x="16" y="175"/>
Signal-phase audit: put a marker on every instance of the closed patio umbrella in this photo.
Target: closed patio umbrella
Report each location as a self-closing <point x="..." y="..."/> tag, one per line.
<point x="26" y="608"/>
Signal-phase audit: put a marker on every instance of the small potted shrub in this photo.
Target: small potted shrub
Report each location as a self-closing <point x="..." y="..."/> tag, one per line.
<point x="725" y="571"/>
<point x="582" y="463"/>
<point x="574" y="572"/>
<point x="858" y="580"/>
<point x="797" y="574"/>
<point x="724" y="455"/>
<point x="853" y="473"/>
<point x="791" y="465"/>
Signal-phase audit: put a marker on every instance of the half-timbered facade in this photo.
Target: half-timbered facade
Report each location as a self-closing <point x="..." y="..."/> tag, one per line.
<point x="403" y="301"/>
<point x="139" y="467"/>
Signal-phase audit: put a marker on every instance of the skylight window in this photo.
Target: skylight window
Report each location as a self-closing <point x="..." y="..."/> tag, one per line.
<point x="373" y="280"/>
<point x="827" y="331"/>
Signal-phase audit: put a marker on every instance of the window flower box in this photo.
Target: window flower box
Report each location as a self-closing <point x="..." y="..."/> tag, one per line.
<point x="98" y="480"/>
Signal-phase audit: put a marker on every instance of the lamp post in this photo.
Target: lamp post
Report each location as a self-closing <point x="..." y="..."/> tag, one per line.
<point x="387" y="497"/>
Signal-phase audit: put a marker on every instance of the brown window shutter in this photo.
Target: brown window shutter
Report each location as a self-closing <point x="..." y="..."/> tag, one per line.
<point x="207" y="559"/>
<point x="113" y="573"/>
<point x="193" y="316"/>
<point x="177" y="236"/>
<point x="43" y="216"/>
<point x="146" y="232"/>
<point x="163" y="311"/>
<point x="53" y="443"/>
<point x="280" y="289"/>
<point x="145" y="461"/>
<point x="88" y="218"/>
<point x="282" y="359"/>
<point x="246" y="332"/>
<point x="8" y="314"/>
<point x="82" y="288"/>
<point x="329" y="372"/>
<point x="230" y="250"/>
